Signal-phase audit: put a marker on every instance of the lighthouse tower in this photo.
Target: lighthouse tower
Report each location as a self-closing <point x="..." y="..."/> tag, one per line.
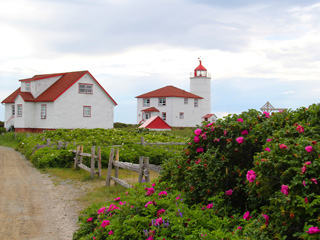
<point x="200" y="84"/>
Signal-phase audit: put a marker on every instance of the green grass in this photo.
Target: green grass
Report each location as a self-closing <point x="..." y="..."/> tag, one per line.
<point x="9" y="139"/>
<point x="94" y="190"/>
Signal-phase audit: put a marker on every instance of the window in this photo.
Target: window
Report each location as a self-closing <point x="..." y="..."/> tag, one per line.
<point x="147" y="115"/>
<point x="181" y="115"/>
<point x="162" y="101"/>
<point x="196" y="103"/>
<point x="146" y="102"/>
<point x="85" y="88"/>
<point x="12" y="110"/>
<point x="87" y="111"/>
<point x="164" y="116"/>
<point x="27" y="86"/>
<point x="43" y="113"/>
<point x="186" y="101"/>
<point x="19" y="110"/>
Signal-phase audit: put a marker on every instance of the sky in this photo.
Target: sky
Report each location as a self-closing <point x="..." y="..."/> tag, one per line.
<point x="256" y="51"/>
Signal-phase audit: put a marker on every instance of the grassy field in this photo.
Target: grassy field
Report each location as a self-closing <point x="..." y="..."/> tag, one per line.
<point x="95" y="190"/>
<point x="11" y="140"/>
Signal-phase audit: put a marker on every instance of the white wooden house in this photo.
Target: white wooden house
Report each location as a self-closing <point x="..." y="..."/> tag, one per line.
<point x="62" y="100"/>
<point x="178" y="107"/>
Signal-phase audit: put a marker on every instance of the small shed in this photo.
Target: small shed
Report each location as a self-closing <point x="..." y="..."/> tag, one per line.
<point x="156" y="123"/>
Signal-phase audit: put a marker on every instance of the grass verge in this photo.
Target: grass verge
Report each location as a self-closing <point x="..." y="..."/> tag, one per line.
<point x="94" y="190"/>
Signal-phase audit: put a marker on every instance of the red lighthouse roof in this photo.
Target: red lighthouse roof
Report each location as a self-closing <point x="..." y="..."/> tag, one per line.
<point x="200" y="67"/>
<point x="200" y="71"/>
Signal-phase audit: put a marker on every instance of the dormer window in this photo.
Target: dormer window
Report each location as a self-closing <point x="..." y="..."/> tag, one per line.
<point x="85" y="88"/>
<point x="27" y="87"/>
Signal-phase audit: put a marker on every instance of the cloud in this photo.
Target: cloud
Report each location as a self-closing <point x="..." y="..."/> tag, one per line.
<point x="289" y="92"/>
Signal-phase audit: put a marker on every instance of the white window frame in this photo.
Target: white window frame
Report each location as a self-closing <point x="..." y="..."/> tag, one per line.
<point x="161" y="102"/>
<point x="146" y="102"/>
<point x="181" y="115"/>
<point x="185" y="101"/>
<point x="86" y="111"/>
<point x="196" y="103"/>
<point x="85" y="88"/>
<point x="13" y="112"/>
<point x="164" y="116"/>
<point x="147" y="115"/>
<point x="43" y="111"/>
<point x="19" y="110"/>
<point x="27" y="86"/>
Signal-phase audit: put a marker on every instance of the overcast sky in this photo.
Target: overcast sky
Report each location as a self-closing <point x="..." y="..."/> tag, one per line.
<point x="256" y="51"/>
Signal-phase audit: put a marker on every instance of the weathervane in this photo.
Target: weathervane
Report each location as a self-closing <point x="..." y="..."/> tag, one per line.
<point x="269" y="108"/>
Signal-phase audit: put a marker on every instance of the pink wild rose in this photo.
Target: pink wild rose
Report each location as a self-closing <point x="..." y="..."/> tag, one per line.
<point x="240" y="140"/>
<point x="150" y="191"/>
<point x="246" y="216"/>
<point x="196" y="139"/>
<point x="148" y="203"/>
<point x="240" y="120"/>
<point x="313" y="230"/>
<point x="308" y="149"/>
<point x="199" y="150"/>
<point x="285" y="189"/>
<point x="105" y="223"/>
<point x="101" y="210"/>
<point x="210" y="205"/>
<point x="314" y="180"/>
<point x="266" y="217"/>
<point x="197" y="131"/>
<point x="304" y="183"/>
<point x="300" y="129"/>
<point x="266" y="114"/>
<point x="163" y="193"/>
<point x="283" y="146"/>
<point x="245" y="132"/>
<point x="89" y="219"/>
<point x="239" y="228"/>
<point x="198" y="161"/>
<point x="269" y="140"/>
<point x="110" y="232"/>
<point x="117" y="199"/>
<point x="304" y="169"/>
<point x="267" y="149"/>
<point x="306" y="200"/>
<point x="229" y="192"/>
<point x="307" y="163"/>
<point x="251" y="176"/>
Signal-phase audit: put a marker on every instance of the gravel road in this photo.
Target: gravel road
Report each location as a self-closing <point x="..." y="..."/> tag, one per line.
<point x="31" y="206"/>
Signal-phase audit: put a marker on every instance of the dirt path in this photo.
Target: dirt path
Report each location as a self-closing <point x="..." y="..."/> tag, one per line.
<point x="31" y="207"/>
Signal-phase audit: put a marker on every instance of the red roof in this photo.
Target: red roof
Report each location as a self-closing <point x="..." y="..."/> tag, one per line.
<point x="169" y="91"/>
<point x="155" y="123"/>
<point x="200" y="67"/>
<point x="11" y="97"/>
<point x="55" y="90"/>
<point x="208" y="115"/>
<point x="152" y="109"/>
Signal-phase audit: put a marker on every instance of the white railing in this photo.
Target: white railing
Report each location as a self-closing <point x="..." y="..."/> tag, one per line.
<point x="208" y="75"/>
<point x="9" y="123"/>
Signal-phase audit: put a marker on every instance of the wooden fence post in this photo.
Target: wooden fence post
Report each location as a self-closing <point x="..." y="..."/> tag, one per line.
<point x="140" y="169"/>
<point x="93" y="151"/>
<point x="15" y="135"/>
<point x="143" y="142"/>
<point x="81" y="157"/>
<point x="110" y="167"/>
<point x="116" y="169"/>
<point x="48" y="141"/>
<point x="76" y="157"/>
<point x="99" y="162"/>
<point x="66" y="145"/>
<point x="146" y="169"/>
